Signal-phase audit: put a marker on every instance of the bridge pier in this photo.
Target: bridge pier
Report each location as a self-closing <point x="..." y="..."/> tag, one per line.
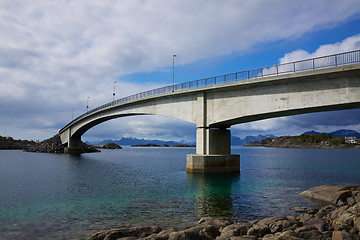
<point x="213" y="153"/>
<point x="74" y="145"/>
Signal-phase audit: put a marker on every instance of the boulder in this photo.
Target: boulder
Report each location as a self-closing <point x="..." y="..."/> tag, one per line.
<point x="319" y="223"/>
<point x="357" y="224"/>
<point x="236" y="229"/>
<point x="333" y="194"/>
<point x="163" y="235"/>
<point x="308" y="210"/>
<point x="111" y="145"/>
<point x="342" y="235"/>
<point x="244" y="237"/>
<point x="308" y="232"/>
<point x="135" y="232"/>
<point x="305" y="217"/>
<point x="323" y="212"/>
<point x="287" y="235"/>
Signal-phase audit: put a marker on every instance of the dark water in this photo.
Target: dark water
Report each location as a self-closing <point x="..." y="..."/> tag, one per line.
<point x="58" y="196"/>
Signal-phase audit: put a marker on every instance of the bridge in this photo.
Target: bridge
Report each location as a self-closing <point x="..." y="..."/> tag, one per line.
<point x="215" y="104"/>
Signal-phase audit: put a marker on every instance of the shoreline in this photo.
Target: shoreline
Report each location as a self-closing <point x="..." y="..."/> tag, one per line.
<point x="340" y="219"/>
<point x="305" y="142"/>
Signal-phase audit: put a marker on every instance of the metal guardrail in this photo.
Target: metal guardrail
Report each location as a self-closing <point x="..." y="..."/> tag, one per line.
<point x="286" y="68"/>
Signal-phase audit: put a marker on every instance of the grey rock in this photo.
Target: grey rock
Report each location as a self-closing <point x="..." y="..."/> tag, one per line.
<point x="133" y="233"/>
<point x="308" y="210"/>
<point x="319" y="223"/>
<point x="236" y="229"/>
<point x="308" y="232"/>
<point x="342" y="235"/>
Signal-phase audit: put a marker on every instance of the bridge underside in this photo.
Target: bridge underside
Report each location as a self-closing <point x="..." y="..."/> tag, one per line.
<point x="214" y="109"/>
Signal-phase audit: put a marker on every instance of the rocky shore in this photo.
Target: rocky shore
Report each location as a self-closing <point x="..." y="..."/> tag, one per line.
<point x="8" y="143"/>
<point x="109" y="145"/>
<point x="54" y="145"/>
<point x="303" y="141"/>
<point x="340" y="220"/>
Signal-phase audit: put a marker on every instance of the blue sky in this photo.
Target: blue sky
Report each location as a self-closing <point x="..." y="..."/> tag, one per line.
<point x="56" y="54"/>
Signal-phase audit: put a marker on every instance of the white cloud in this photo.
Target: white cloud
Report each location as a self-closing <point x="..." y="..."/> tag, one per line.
<point x="347" y="45"/>
<point x="322" y="122"/>
<point x="54" y="54"/>
<point x="262" y="125"/>
<point x="148" y="127"/>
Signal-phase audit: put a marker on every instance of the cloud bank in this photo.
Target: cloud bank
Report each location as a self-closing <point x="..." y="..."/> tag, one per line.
<point x="347" y="45"/>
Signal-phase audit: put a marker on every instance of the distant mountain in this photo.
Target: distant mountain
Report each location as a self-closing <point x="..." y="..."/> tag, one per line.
<point x="136" y="141"/>
<point x="346" y="133"/>
<point x="338" y="133"/>
<point x="312" y="133"/>
<point x="236" y="141"/>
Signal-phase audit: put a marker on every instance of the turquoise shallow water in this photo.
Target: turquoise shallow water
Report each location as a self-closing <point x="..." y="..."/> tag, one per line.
<point x="62" y="196"/>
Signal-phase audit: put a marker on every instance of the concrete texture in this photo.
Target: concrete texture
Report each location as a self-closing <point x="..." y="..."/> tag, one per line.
<point x="73" y="150"/>
<point x="197" y="163"/>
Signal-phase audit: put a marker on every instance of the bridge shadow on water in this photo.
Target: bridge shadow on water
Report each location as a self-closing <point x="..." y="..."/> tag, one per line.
<point x="214" y="193"/>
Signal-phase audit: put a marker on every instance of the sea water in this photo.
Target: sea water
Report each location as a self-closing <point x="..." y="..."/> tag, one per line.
<point x="62" y="196"/>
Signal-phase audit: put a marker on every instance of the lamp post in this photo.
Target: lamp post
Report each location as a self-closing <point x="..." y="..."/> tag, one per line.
<point x="174" y="56"/>
<point x="114" y="92"/>
<point x="87" y="104"/>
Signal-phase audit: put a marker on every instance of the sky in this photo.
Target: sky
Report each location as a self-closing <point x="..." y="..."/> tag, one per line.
<point x="57" y="57"/>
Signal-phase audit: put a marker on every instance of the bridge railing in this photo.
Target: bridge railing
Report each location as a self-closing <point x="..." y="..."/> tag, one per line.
<point x="285" y="68"/>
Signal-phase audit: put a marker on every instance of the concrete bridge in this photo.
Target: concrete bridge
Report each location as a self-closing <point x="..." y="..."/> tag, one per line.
<point x="215" y="104"/>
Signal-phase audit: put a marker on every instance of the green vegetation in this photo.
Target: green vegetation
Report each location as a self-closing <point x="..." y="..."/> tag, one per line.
<point x="6" y="138"/>
<point x="11" y="143"/>
<point x="305" y="141"/>
<point x="320" y="138"/>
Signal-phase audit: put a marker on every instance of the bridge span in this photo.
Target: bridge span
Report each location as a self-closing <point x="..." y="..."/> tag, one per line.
<point x="215" y="104"/>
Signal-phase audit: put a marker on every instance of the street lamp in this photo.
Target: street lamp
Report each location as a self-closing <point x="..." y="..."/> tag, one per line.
<point x="87" y="104"/>
<point x="114" y="92"/>
<point x="174" y="56"/>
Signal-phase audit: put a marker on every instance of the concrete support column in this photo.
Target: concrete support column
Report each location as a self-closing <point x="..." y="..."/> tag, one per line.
<point x="74" y="145"/>
<point x="213" y="152"/>
<point x="213" y="141"/>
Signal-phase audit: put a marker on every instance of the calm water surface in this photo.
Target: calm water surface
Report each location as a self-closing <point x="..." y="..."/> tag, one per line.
<point x="58" y="196"/>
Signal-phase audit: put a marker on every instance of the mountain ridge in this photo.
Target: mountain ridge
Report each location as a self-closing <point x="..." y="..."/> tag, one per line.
<point x="235" y="141"/>
<point x="338" y="133"/>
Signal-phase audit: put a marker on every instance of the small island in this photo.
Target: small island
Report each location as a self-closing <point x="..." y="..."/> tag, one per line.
<point x="162" y="145"/>
<point x="109" y="145"/>
<point x="149" y="145"/>
<point x="305" y="141"/>
<point x="9" y="143"/>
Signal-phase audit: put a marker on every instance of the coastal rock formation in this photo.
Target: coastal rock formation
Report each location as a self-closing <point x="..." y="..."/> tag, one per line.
<point x="304" y="141"/>
<point x="332" y="222"/>
<point x="109" y="145"/>
<point x="183" y="145"/>
<point x="146" y="145"/>
<point x="54" y="145"/>
<point x="339" y="195"/>
<point x="8" y="143"/>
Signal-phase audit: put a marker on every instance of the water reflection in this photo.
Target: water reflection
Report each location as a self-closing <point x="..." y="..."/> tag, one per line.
<point x="214" y="194"/>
